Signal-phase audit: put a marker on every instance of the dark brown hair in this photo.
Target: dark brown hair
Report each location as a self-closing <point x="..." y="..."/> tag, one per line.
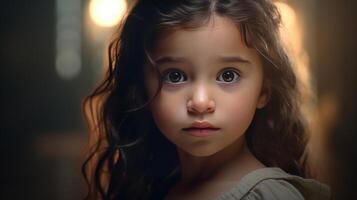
<point x="135" y="159"/>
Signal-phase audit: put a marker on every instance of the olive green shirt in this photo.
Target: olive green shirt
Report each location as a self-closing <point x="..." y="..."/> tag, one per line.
<point x="274" y="184"/>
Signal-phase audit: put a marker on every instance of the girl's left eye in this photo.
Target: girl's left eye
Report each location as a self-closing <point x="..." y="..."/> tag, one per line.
<point x="174" y="77"/>
<point x="228" y="76"/>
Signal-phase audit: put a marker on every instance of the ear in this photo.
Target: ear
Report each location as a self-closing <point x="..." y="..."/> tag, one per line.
<point x="264" y="98"/>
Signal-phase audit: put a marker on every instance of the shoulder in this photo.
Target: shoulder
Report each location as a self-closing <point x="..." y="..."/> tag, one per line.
<point x="274" y="189"/>
<point x="274" y="183"/>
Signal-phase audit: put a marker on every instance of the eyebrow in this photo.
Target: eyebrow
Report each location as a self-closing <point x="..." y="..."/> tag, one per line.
<point x="172" y="59"/>
<point x="233" y="59"/>
<point x="169" y="59"/>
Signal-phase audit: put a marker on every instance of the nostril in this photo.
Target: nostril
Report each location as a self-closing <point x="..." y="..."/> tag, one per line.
<point x="200" y="107"/>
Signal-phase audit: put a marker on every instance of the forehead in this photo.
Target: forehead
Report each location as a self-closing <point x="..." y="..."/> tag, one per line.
<point x="220" y="36"/>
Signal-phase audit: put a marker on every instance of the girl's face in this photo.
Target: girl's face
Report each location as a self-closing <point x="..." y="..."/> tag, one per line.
<point x="209" y="75"/>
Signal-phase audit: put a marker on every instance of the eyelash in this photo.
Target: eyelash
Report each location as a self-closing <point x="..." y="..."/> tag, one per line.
<point x="165" y="77"/>
<point x="166" y="74"/>
<point x="235" y="72"/>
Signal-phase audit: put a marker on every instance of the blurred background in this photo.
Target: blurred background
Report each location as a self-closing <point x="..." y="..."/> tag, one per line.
<point x="53" y="53"/>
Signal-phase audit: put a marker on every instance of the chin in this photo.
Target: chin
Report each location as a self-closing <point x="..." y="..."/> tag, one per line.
<point x="201" y="152"/>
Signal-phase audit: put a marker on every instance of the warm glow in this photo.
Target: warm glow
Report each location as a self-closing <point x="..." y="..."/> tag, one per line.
<point x="292" y="37"/>
<point x="287" y="13"/>
<point x="107" y="13"/>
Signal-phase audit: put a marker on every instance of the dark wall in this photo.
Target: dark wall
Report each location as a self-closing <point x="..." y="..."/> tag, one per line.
<point x="35" y="101"/>
<point x="336" y="71"/>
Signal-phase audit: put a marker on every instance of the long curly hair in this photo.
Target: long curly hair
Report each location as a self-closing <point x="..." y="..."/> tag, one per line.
<point x="130" y="158"/>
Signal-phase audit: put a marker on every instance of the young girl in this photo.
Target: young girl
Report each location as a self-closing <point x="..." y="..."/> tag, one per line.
<point x="199" y="102"/>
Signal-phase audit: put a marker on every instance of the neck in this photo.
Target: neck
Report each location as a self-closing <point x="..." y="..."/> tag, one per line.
<point x="230" y="163"/>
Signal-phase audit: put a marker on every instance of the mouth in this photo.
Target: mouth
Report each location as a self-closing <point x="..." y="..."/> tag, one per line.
<point x="201" y="129"/>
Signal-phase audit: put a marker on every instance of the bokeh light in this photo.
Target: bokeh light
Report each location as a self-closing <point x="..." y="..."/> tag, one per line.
<point x="68" y="64"/>
<point x="288" y="14"/>
<point x="107" y="13"/>
<point x="68" y="61"/>
<point x="292" y="36"/>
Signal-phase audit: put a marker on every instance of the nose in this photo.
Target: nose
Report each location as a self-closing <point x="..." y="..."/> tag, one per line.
<point x="201" y="101"/>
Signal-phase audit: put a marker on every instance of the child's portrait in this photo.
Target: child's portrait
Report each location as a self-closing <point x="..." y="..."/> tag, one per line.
<point x="178" y="99"/>
<point x="200" y="101"/>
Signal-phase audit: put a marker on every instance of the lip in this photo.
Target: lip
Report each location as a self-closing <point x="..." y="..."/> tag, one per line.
<point x="202" y="125"/>
<point x="201" y="129"/>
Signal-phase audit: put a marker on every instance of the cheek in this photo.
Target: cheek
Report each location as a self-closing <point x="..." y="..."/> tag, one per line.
<point x="167" y="112"/>
<point x="239" y="111"/>
<point x="162" y="109"/>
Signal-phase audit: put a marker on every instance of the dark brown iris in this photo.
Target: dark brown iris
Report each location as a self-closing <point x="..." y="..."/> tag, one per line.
<point x="228" y="76"/>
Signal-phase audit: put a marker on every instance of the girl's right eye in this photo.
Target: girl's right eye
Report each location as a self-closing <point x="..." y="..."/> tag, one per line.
<point x="174" y="76"/>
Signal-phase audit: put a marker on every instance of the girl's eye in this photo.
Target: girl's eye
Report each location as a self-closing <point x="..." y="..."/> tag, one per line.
<point x="228" y="76"/>
<point x="174" y="76"/>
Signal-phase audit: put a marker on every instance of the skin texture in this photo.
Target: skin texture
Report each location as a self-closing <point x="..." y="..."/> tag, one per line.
<point x="202" y="94"/>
